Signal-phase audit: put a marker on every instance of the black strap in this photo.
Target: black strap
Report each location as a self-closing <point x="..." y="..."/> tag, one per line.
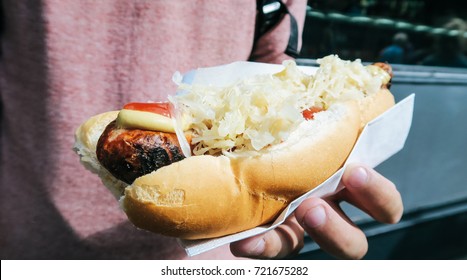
<point x="270" y="13"/>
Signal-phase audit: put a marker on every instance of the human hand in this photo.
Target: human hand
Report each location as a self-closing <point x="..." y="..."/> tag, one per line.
<point x="326" y="223"/>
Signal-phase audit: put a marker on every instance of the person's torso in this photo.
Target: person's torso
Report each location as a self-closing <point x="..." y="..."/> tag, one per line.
<point x="64" y="61"/>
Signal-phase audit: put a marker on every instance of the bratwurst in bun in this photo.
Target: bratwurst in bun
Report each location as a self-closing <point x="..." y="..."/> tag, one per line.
<point x="213" y="161"/>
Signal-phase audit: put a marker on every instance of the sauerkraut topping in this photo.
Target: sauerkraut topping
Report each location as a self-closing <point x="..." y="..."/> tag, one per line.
<point x="252" y="114"/>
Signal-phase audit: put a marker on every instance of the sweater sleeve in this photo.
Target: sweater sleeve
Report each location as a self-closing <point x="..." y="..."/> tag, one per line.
<point x="271" y="46"/>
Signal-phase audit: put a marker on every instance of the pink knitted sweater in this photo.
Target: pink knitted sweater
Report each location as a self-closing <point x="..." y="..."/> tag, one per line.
<point x="63" y="61"/>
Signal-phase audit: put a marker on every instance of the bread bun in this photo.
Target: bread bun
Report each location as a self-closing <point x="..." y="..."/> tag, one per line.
<point x="86" y="137"/>
<point x="206" y="196"/>
<point x="374" y="105"/>
<point x="211" y="196"/>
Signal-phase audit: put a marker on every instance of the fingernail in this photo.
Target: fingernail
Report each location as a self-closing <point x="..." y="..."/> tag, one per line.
<point x="315" y="217"/>
<point x="258" y="249"/>
<point x="358" y="177"/>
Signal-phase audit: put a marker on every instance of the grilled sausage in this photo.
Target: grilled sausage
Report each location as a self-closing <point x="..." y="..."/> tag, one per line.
<point x="131" y="153"/>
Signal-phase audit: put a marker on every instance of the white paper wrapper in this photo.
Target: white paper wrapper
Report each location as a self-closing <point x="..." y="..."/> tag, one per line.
<point x="380" y="139"/>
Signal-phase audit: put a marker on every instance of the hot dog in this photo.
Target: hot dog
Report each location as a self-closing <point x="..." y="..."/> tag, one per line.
<point x="129" y="153"/>
<point x="249" y="154"/>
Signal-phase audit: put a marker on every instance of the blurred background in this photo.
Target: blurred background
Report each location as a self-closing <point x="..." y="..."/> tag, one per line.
<point x="426" y="43"/>
<point x="398" y="31"/>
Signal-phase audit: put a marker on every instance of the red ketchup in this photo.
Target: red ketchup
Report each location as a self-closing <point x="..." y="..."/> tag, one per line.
<point x="309" y="114"/>
<point x="161" y="108"/>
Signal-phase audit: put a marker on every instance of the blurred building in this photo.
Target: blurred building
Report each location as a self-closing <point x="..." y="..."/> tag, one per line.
<point x="363" y="28"/>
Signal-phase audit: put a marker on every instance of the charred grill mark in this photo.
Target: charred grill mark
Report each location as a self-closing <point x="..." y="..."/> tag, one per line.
<point x="152" y="158"/>
<point x="176" y="153"/>
<point x="130" y="153"/>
